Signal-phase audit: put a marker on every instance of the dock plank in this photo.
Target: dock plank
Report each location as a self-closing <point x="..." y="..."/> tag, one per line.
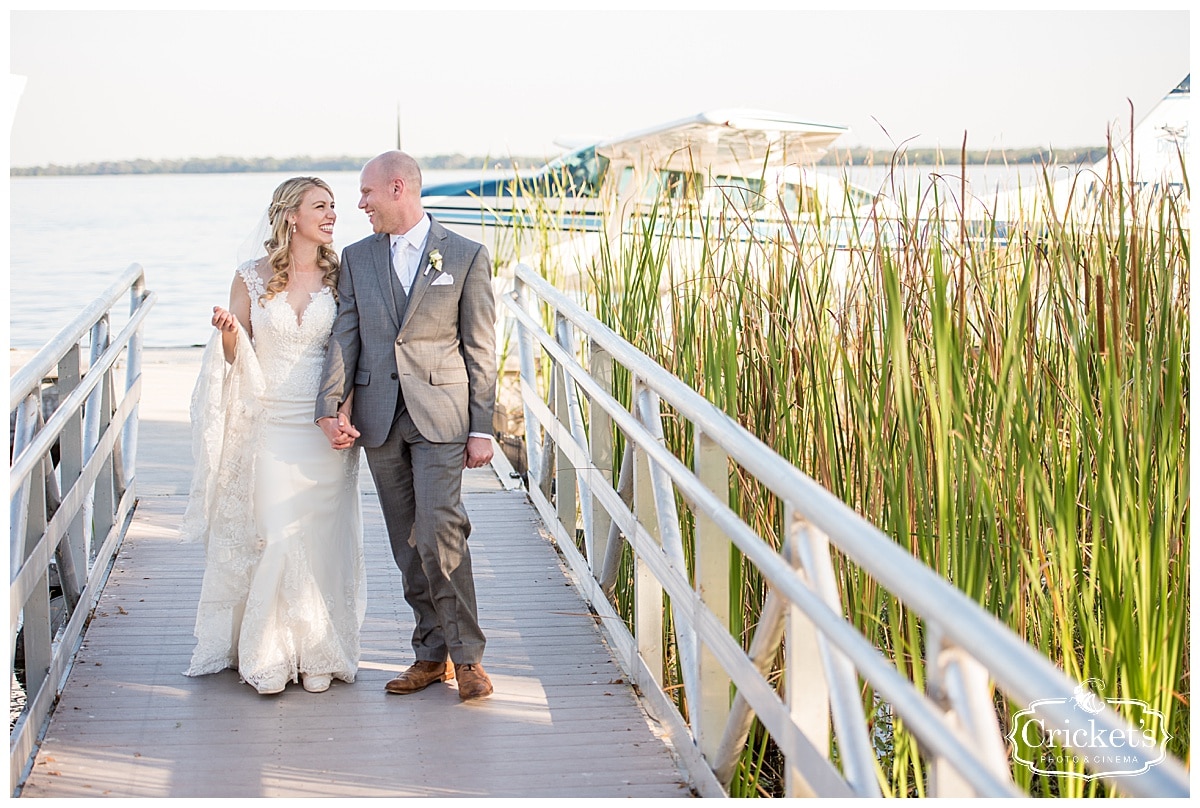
<point x="563" y="721"/>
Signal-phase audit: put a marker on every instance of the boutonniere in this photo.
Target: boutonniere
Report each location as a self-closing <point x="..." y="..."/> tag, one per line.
<point x="435" y="262"/>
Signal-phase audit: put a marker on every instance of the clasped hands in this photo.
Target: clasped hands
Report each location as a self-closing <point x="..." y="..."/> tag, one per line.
<point x="342" y="434"/>
<point x="339" y="430"/>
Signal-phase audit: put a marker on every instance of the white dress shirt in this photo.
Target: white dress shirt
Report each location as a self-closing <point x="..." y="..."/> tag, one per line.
<point x="407" y="250"/>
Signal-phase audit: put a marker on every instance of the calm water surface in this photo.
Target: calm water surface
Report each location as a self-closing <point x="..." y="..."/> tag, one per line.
<point x="71" y="237"/>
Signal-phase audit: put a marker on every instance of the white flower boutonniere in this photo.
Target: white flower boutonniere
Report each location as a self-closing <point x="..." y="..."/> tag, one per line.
<point x="435" y="262"/>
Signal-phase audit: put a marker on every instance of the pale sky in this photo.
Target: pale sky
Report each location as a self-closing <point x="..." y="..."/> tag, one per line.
<point x="113" y="85"/>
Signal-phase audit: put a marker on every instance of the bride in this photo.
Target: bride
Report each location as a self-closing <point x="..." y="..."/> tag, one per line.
<point x="283" y="595"/>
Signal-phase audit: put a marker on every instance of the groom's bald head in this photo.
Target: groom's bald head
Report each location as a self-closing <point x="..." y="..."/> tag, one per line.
<point x="391" y="192"/>
<point x="398" y="165"/>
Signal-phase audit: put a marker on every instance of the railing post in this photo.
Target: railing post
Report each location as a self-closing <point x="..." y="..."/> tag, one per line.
<point x="713" y="551"/>
<point x="575" y="424"/>
<point x="91" y="433"/>
<point x="71" y="554"/>
<point x="133" y="370"/>
<point x="526" y="352"/>
<point x="28" y="417"/>
<point x="600" y="444"/>
<point x="857" y="753"/>
<point x="763" y="648"/>
<point x="648" y="592"/>
<point x="670" y="537"/>
<point x="109" y="485"/>
<point x="566" y="480"/>
<point x="36" y="610"/>
<point x="613" y="545"/>
<point x="960" y="684"/>
<point x="805" y="686"/>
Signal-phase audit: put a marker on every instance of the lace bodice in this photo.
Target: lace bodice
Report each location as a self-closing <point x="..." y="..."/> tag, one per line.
<point x="291" y="352"/>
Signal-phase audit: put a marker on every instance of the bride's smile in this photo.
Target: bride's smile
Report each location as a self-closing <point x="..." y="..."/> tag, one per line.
<point x="315" y="218"/>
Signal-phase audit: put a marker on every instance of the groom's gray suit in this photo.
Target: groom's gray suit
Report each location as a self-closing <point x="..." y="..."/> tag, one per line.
<point x="422" y="368"/>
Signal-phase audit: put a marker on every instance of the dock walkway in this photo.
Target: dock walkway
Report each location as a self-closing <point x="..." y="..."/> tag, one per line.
<point x="563" y="721"/>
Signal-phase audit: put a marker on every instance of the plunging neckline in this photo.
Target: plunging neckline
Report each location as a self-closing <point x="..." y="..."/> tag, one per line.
<point x="298" y="317"/>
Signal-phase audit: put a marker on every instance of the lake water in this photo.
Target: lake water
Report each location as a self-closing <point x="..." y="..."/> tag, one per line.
<point x="71" y="237"/>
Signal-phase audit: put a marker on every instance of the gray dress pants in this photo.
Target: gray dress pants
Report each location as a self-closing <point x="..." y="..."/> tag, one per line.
<point x="420" y="491"/>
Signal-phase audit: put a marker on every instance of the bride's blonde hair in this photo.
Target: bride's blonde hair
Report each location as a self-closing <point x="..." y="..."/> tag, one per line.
<point x="286" y="200"/>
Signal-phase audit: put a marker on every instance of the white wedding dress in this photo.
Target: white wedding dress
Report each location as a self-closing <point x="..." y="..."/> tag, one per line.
<point x="284" y="589"/>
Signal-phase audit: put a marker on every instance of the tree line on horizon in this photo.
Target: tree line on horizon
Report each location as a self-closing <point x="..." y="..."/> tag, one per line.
<point x="454" y="162"/>
<point x="243" y="165"/>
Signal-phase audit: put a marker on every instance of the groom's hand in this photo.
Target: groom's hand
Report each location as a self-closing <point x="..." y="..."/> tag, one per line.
<point x="341" y="432"/>
<point x="478" y="453"/>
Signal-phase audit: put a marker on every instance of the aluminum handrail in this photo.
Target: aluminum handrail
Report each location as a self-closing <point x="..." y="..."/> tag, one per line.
<point x="41" y="364"/>
<point x="22" y="465"/>
<point x="72" y="493"/>
<point x="1017" y="669"/>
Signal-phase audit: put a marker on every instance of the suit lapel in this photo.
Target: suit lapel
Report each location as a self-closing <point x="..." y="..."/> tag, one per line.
<point x="381" y="254"/>
<point x="435" y="241"/>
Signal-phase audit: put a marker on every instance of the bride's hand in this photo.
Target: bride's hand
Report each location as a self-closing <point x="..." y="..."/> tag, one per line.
<point x="223" y="320"/>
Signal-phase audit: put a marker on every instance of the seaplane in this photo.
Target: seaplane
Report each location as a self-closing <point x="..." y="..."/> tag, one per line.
<point x="755" y="166"/>
<point x="753" y="173"/>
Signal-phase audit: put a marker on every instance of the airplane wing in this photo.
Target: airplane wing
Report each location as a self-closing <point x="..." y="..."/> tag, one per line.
<point x="733" y="141"/>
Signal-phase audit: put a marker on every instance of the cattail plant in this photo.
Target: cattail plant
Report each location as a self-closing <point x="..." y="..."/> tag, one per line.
<point x="1011" y="411"/>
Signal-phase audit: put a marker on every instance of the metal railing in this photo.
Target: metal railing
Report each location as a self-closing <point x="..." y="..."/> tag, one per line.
<point x="71" y="488"/>
<point x="570" y="415"/>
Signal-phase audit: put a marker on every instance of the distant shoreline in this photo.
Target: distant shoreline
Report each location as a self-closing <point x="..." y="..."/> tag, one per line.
<point x="249" y="165"/>
<point x="458" y="162"/>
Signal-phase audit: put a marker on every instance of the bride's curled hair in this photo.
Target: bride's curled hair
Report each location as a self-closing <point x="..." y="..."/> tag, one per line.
<point x="285" y="200"/>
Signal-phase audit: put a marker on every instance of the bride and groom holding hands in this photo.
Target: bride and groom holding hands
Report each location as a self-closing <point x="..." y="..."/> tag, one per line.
<point x="391" y="350"/>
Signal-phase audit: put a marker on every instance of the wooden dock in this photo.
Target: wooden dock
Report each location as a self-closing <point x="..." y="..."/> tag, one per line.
<point x="563" y="721"/>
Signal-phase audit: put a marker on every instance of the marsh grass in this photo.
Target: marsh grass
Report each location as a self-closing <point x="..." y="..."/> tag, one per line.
<point x="1013" y="414"/>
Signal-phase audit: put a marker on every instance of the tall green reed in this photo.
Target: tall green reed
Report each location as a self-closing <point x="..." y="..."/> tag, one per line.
<point x="1014" y="414"/>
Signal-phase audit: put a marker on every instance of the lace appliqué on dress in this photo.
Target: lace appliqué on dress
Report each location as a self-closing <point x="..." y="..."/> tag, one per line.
<point x="227" y="417"/>
<point x="291" y="352"/>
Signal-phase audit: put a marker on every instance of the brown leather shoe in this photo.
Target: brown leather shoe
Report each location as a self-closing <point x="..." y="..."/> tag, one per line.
<point x="473" y="683"/>
<point x="419" y="676"/>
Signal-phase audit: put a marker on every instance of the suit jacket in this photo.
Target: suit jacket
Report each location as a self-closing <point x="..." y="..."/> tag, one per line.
<point x="441" y="353"/>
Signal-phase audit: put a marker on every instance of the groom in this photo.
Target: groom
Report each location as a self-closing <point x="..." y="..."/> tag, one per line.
<point x="414" y="343"/>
